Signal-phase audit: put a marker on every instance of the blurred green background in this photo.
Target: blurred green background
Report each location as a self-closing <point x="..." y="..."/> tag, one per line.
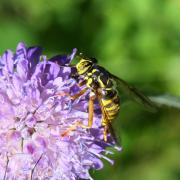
<point x="137" y="40"/>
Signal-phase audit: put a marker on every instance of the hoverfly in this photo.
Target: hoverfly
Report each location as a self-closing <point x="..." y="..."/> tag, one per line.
<point x="104" y="86"/>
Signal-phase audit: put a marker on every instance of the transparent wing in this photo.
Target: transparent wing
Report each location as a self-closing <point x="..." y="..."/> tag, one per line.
<point x="134" y="94"/>
<point x="114" y="129"/>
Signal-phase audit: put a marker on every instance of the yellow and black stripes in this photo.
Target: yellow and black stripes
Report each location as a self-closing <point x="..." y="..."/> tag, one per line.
<point x="99" y="81"/>
<point x="111" y="105"/>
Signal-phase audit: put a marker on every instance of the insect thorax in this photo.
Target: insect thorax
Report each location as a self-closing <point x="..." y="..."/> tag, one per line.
<point x="97" y="78"/>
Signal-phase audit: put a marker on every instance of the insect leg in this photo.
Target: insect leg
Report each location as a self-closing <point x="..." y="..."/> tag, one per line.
<point x="73" y="97"/>
<point x="82" y="83"/>
<point x="79" y="94"/>
<point x="105" y="132"/>
<point x="71" y="128"/>
<point x="105" y="122"/>
<point x="91" y="110"/>
<point x="90" y="118"/>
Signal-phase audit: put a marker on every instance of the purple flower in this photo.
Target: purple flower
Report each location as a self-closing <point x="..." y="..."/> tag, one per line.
<point x="35" y="113"/>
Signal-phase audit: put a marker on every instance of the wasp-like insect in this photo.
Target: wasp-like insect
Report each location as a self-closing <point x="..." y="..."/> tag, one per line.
<point x="104" y="86"/>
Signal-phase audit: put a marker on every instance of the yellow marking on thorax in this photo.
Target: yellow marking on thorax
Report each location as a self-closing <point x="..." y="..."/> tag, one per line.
<point x="101" y="83"/>
<point x="89" y="74"/>
<point x="108" y="89"/>
<point x="89" y="82"/>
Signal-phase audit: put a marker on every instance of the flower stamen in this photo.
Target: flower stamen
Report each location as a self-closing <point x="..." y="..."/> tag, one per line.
<point x="32" y="171"/>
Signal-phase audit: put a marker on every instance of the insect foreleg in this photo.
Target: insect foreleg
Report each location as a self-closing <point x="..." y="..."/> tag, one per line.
<point x="82" y="83"/>
<point x="73" y="97"/>
<point x="90" y="118"/>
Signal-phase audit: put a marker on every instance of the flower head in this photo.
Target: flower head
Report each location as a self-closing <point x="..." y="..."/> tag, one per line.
<point x="35" y="110"/>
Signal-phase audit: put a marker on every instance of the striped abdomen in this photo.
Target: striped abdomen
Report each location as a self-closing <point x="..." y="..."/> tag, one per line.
<point x="111" y="104"/>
